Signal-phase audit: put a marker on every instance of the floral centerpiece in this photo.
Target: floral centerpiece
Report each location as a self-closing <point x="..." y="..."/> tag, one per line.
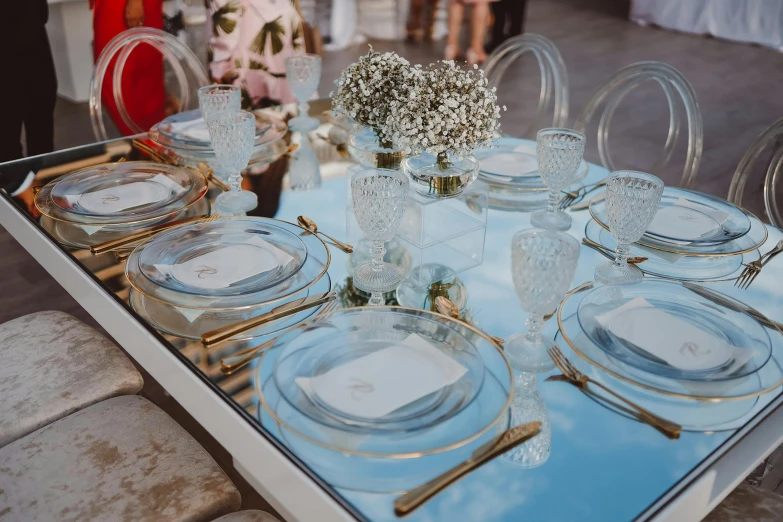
<point x="364" y="92"/>
<point x="450" y="110"/>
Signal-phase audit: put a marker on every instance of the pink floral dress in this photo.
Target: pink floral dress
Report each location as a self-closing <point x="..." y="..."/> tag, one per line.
<point x="248" y="43"/>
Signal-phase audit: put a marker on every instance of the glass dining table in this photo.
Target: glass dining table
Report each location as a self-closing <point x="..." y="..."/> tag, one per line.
<point x="601" y="465"/>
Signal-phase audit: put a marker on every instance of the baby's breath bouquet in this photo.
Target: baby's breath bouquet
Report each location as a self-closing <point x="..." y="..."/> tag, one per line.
<point x="450" y="110"/>
<point x="366" y="88"/>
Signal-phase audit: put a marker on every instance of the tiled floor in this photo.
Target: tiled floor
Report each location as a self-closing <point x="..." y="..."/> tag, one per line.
<point x="737" y="86"/>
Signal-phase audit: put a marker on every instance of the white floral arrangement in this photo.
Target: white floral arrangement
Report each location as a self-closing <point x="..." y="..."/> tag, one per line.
<point x="449" y="109"/>
<point x="366" y="87"/>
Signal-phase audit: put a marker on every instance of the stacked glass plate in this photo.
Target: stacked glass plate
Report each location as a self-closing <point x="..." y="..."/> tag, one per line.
<point x="103" y="202"/>
<point x="693" y="237"/>
<point x="187" y="137"/>
<point x="371" y="398"/>
<point x="510" y="167"/>
<point x="706" y="356"/>
<point x="200" y="277"/>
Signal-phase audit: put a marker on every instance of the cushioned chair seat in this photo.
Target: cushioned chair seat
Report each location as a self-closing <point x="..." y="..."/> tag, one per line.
<point x="121" y="459"/>
<point x="53" y="365"/>
<point x="748" y="504"/>
<point x="248" y="515"/>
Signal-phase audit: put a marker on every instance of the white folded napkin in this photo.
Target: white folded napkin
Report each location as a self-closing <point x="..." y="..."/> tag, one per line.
<point x="687" y="220"/>
<point x="677" y="342"/>
<point x="223" y="267"/>
<point x="377" y="384"/>
<point x="194" y="129"/>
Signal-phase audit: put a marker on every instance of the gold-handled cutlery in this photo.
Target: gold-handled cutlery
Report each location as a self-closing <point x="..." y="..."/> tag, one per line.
<point x="215" y="337"/>
<point x="581" y="381"/>
<point x="752" y="270"/>
<point x="115" y="244"/>
<point x="609" y="253"/>
<point x="719" y="299"/>
<point x="232" y="363"/>
<point x="585" y="204"/>
<point x="510" y="439"/>
<point x="341" y="148"/>
<point x="447" y="307"/>
<point x="581" y="192"/>
<point x="309" y="225"/>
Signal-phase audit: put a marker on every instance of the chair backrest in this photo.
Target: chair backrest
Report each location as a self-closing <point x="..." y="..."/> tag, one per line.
<point x="121" y="46"/>
<point x="554" y="78"/>
<point x="674" y="84"/>
<point x="771" y="137"/>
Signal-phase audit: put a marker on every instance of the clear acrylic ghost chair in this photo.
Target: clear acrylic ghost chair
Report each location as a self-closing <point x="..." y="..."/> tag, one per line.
<point x="121" y="46"/>
<point x="674" y="85"/>
<point x="554" y="78"/>
<point x="770" y="139"/>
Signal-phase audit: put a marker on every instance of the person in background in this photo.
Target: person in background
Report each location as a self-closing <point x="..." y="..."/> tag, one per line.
<point x="248" y="45"/>
<point x="143" y="87"/>
<point x="29" y="92"/>
<point x="509" y="20"/>
<point x="478" y="30"/>
<point x="421" y="20"/>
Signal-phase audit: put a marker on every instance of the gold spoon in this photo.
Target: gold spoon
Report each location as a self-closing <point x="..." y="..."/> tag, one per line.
<point x="309" y="225"/>
<point x="449" y="309"/>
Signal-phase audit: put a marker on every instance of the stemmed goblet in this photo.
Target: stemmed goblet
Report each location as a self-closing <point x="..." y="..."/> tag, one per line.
<point x="304" y="74"/>
<point x="543" y="263"/>
<point x="379" y="203"/>
<point x="559" y="153"/>
<point x="233" y="136"/>
<point x="631" y="204"/>
<point x="217" y="100"/>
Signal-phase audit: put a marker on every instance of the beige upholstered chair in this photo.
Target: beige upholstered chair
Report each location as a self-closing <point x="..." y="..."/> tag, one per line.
<point x="122" y="459"/>
<point x="53" y="365"/>
<point x="748" y="504"/>
<point x="249" y="515"/>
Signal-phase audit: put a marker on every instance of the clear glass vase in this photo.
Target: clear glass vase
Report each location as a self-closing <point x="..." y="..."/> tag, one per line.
<point x="368" y="146"/>
<point x="444" y="175"/>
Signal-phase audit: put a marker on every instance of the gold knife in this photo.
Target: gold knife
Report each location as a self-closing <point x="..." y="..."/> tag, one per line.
<point x="113" y="244"/>
<point x="511" y="438"/>
<point x="225" y="333"/>
<point x="717" y="298"/>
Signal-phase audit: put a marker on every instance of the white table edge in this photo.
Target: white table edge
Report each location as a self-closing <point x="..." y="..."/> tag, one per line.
<point x="286" y="487"/>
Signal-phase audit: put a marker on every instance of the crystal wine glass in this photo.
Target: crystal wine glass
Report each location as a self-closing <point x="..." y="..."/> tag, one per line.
<point x="218" y="100"/>
<point x="304" y="171"/>
<point x="543" y="263"/>
<point x="631" y="204"/>
<point x="304" y="74"/>
<point x="233" y="136"/>
<point x="559" y="153"/>
<point x="379" y="203"/>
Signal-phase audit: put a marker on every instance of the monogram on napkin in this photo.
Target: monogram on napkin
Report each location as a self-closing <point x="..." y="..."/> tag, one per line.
<point x="129" y="195"/>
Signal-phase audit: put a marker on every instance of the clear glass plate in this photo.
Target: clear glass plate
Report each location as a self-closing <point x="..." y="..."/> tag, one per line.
<point x="191" y="323"/>
<point x="276" y="130"/>
<point x="346" y="336"/>
<point x="189" y="128"/>
<point x="732" y="326"/>
<point x="512" y="162"/>
<point x="170" y="190"/>
<point x="673" y="266"/>
<point x="738" y="224"/>
<point x="389" y="462"/>
<point x="182" y="245"/>
<point x="314" y="267"/>
<point x="766" y="379"/>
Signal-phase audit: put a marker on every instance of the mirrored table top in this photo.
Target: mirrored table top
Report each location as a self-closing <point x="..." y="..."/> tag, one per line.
<point x="602" y="466"/>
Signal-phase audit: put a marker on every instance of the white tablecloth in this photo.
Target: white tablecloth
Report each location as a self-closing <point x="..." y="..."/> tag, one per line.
<point x="751" y="21"/>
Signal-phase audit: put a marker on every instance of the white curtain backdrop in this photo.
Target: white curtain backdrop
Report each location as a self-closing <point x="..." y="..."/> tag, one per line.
<point x="751" y="21"/>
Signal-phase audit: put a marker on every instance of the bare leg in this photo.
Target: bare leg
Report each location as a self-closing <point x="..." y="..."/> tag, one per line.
<point x="478" y="32"/>
<point x="456" y="13"/>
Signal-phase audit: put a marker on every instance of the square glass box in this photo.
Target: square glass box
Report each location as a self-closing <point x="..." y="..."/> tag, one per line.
<point x="446" y="232"/>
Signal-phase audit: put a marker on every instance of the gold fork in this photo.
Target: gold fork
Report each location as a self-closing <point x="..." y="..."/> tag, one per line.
<point x="581" y="192"/>
<point x="580" y="380"/>
<point x="229" y="365"/>
<point x="752" y="270"/>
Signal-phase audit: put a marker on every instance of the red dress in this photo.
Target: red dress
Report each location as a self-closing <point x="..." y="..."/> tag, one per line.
<point x="142" y="79"/>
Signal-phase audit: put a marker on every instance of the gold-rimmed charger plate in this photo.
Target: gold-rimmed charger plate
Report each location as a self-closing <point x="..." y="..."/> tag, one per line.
<point x="768" y="378"/>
